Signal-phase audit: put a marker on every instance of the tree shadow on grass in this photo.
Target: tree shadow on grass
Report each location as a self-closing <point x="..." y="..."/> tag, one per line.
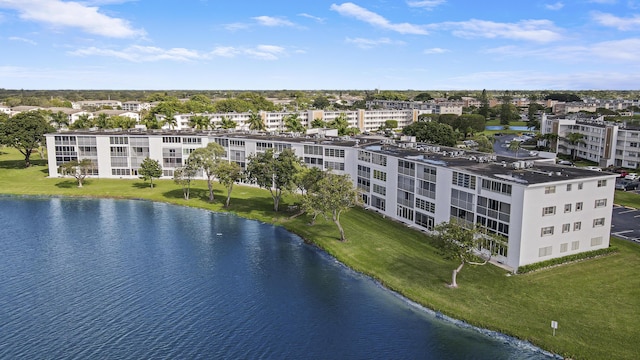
<point x="142" y="185"/>
<point x="12" y="164"/>
<point x="67" y="184"/>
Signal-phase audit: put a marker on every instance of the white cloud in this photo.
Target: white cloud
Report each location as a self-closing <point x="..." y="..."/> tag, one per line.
<point x="28" y="41"/>
<point x="427" y="4"/>
<point x="72" y="14"/>
<point x="622" y="24"/>
<point x="318" y="19"/>
<point x="556" y="6"/>
<point x="236" y="26"/>
<point x="608" y="2"/>
<point x="272" y="21"/>
<point x="435" y="51"/>
<point x="621" y="51"/>
<point x="370" y="43"/>
<point x="139" y="54"/>
<point x="362" y="14"/>
<point x="531" y="30"/>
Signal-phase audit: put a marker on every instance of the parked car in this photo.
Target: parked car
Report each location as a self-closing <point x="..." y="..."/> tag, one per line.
<point x="626" y="185"/>
<point x="631" y="176"/>
<point x="593" y="168"/>
<point x="565" y="162"/>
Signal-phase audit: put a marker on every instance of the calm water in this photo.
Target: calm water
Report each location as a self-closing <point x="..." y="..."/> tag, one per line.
<point x="108" y="279"/>
<point x="500" y="127"/>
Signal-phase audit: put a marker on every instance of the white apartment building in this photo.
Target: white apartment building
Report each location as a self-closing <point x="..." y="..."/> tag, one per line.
<point x="541" y="210"/>
<point x="365" y="120"/>
<point x="95" y="104"/>
<point x="135" y="106"/>
<point x="604" y="142"/>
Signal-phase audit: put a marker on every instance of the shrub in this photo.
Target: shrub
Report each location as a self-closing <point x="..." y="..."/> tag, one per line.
<point x="566" y="259"/>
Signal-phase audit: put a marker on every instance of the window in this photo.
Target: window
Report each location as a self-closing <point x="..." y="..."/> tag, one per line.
<point x="464" y="180"/>
<point x="549" y="210"/>
<point x="378" y="203"/>
<point x="550" y="189"/>
<point x="191" y="140"/>
<point x="566" y="228"/>
<point x="577" y="225"/>
<point x="364" y="184"/>
<point x="406" y="183"/>
<point x="405" y="198"/>
<point x="575" y="245"/>
<point x="405" y="213"/>
<point x="579" y="206"/>
<point x="596" y="241"/>
<point x="334" y="165"/>
<point x="602" y="183"/>
<point x="364" y="171"/>
<point x="118" y="140"/>
<point x="406" y="167"/>
<point x="171" y="140"/>
<point x="567" y="208"/>
<point x="564" y="247"/>
<point x="496" y="186"/>
<point x="601" y="203"/>
<point x="379" y="189"/>
<point x="313" y="150"/>
<point x="379" y="159"/>
<point x="544" y="251"/>
<point x="428" y="173"/>
<point x="598" y="222"/>
<point x="580" y="186"/>
<point x="546" y="231"/>
<point x="568" y="187"/>
<point x="379" y="175"/>
<point x="364" y="156"/>
<point x="334" y="152"/>
<point x="425" y="205"/>
<point x="263" y="146"/>
<point x="427" y="189"/>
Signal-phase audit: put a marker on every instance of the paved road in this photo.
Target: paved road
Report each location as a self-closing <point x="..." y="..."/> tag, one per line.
<point x="625" y="223"/>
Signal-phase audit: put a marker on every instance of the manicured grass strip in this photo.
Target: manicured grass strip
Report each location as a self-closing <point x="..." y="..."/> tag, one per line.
<point x="596" y="302"/>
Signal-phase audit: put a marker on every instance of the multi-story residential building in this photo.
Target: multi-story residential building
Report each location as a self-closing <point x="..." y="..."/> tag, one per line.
<point x="364" y="120"/>
<point x="135" y="106"/>
<point x="539" y="209"/>
<point x="130" y="114"/>
<point x="562" y="108"/>
<point x="604" y="142"/>
<point x="429" y="107"/>
<point x="96" y="104"/>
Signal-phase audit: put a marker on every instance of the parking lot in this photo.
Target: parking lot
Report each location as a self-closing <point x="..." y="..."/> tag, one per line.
<point x="626" y="223"/>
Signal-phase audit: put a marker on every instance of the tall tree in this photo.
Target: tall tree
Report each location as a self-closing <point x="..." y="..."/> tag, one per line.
<point x="484" y="104"/>
<point x="208" y="159"/>
<point x="25" y="132"/>
<point x="574" y="139"/>
<point x="432" y="132"/>
<point x="256" y="123"/>
<point x="183" y="176"/>
<point x="456" y="242"/>
<point x="228" y="174"/>
<point x="333" y="195"/>
<point x="102" y="121"/>
<point x="78" y="169"/>
<point x="150" y="169"/>
<point x="506" y="112"/>
<point x="293" y="123"/>
<point x="275" y="173"/>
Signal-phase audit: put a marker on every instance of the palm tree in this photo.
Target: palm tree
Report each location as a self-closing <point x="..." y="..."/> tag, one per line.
<point x="102" y="121"/>
<point x="255" y="122"/>
<point x="574" y="139"/>
<point x="318" y="123"/>
<point x="515" y="146"/>
<point x="170" y="119"/>
<point x="83" y="122"/>
<point x="59" y="120"/>
<point x="200" y="122"/>
<point x="341" y="123"/>
<point x="293" y="123"/>
<point x="227" y="123"/>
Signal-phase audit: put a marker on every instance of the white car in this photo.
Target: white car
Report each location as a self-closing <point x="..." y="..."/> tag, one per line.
<point x="631" y="176"/>
<point x="594" y="168"/>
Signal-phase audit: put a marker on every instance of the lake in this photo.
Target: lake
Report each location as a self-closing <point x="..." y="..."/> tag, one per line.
<point x="120" y="279"/>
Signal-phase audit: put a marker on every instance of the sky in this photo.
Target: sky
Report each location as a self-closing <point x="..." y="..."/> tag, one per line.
<point x="317" y="44"/>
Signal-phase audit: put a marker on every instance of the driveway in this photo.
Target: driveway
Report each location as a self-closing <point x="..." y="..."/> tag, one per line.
<point x="625" y="223"/>
<point x="501" y="146"/>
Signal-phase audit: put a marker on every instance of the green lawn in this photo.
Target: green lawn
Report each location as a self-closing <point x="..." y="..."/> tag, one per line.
<point x="596" y="302"/>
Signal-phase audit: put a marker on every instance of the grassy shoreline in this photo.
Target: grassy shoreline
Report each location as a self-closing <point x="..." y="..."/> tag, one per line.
<point x="595" y="302"/>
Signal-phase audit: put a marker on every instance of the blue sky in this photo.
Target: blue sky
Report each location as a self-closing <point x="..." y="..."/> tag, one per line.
<point x="317" y="44"/>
